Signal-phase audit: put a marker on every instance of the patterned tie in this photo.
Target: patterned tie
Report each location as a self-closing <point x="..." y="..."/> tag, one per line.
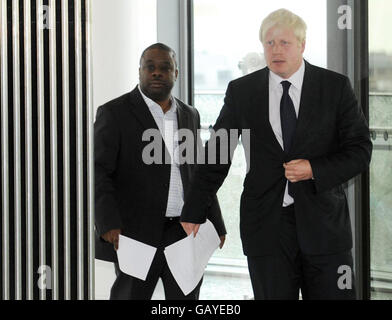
<point x="288" y="119"/>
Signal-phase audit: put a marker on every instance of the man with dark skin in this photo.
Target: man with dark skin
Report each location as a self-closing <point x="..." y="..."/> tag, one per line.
<point x="157" y="86"/>
<point x="139" y="200"/>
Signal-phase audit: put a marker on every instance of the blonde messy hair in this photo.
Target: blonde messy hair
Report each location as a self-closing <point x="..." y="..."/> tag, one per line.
<point x="284" y="18"/>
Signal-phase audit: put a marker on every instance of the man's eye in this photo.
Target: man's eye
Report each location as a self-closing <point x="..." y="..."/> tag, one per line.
<point x="150" y="68"/>
<point x="270" y="43"/>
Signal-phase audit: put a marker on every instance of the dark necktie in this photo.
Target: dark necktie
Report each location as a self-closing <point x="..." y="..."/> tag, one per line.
<point x="288" y="119"/>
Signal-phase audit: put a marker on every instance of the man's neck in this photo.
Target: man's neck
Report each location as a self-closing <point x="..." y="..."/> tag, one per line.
<point x="165" y="105"/>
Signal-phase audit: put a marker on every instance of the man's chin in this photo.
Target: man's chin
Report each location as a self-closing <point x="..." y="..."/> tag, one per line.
<point x="158" y="95"/>
<point x="280" y="72"/>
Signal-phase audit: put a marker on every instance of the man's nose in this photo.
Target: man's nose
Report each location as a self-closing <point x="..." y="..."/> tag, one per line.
<point x="277" y="48"/>
<point x="157" y="74"/>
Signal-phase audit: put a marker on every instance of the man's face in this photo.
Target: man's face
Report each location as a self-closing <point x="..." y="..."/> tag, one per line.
<point x="157" y="74"/>
<point x="283" y="52"/>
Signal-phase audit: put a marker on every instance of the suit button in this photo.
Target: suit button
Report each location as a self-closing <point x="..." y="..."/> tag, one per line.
<point x="166" y="185"/>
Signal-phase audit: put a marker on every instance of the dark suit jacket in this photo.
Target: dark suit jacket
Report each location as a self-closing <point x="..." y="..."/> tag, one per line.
<point x="331" y="133"/>
<point x="129" y="194"/>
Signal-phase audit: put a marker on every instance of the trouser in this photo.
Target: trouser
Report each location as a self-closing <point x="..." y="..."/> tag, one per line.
<point x="319" y="277"/>
<point x="127" y="287"/>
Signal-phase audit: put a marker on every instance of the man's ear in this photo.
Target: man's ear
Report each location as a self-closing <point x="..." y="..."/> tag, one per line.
<point x="176" y="74"/>
<point x="303" y="45"/>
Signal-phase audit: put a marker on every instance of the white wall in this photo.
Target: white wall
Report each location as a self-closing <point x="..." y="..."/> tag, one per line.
<point x="121" y="29"/>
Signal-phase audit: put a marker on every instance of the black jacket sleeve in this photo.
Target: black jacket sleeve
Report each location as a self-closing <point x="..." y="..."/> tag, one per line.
<point x="355" y="146"/>
<point x="214" y="213"/>
<point x="106" y="148"/>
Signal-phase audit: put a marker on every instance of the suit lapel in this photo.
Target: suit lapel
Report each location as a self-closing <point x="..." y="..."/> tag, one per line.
<point x="182" y="116"/>
<point x="309" y="100"/>
<point x="140" y="109"/>
<point x="259" y="112"/>
<point x="183" y="123"/>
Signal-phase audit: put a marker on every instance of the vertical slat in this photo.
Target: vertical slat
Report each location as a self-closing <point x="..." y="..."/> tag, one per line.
<point x="79" y="147"/>
<point x="53" y="146"/>
<point x="90" y="153"/>
<point x="28" y="187"/>
<point x="28" y="150"/>
<point x="41" y="141"/>
<point x="66" y="151"/>
<point x="17" y="151"/>
<point x="4" y="150"/>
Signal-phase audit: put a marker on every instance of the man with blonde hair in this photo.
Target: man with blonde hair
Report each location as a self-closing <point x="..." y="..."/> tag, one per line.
<point x="308" y="136"/>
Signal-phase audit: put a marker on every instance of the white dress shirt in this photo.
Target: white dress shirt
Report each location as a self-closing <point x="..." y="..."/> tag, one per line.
<point x="168" y="127"/>
<point x="275" y="96"/>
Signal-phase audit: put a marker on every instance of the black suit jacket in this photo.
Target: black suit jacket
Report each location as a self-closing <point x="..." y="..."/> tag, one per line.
<point x="331" y="133"/>
<point x="129" y="194"/>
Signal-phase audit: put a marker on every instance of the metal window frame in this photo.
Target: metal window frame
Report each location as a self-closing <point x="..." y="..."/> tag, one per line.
<point x="358" y="71"/>
<point x="187" y="50"/>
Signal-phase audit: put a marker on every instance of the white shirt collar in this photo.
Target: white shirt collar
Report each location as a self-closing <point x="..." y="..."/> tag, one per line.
<point x="296" y="79"/>
<point x="152" y="104"/>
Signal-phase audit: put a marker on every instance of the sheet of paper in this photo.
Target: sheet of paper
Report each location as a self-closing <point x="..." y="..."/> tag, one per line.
<point x="188" y="258"/>
<point x="134" y="257"/>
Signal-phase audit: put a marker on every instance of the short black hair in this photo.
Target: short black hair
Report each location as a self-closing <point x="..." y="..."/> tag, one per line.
<point x="160" y="46"/>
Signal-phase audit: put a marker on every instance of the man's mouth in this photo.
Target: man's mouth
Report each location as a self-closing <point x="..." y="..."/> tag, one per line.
<point x="157" y="84"/>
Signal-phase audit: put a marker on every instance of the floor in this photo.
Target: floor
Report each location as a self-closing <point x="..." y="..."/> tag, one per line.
<point x="215" y="286"/>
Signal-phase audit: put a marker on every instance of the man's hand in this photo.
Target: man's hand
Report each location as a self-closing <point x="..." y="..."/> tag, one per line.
<point x="190" y="227"/>
<point x="112" y="236"/>
<point x="222" y="239"/>
<point x="298" y="170"/>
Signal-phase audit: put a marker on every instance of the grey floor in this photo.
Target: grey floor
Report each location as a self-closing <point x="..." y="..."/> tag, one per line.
<point x="215" y="287"/>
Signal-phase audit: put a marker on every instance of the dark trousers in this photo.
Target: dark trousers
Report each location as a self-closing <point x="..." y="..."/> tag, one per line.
<point x="319" y="277"/>
<point x="126" y="287"/>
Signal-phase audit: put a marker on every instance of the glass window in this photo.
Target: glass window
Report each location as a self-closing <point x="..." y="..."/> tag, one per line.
<point x="380" y="113"/>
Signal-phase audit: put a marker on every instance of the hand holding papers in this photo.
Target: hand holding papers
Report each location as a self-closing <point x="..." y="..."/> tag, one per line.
<point x="188" y="257"/>
<point x="134" y="257"/>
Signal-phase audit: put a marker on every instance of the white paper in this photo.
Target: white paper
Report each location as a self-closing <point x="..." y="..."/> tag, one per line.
<point x="134" y="257"/>
<point x="188" y="258"/>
